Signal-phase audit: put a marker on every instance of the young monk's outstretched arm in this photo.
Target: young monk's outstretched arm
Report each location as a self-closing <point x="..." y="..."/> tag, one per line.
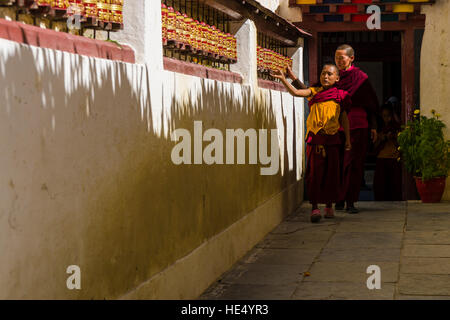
<point x="295" y="92"/>
<point x="343" y="120"/>
<point x="295" y="81"/>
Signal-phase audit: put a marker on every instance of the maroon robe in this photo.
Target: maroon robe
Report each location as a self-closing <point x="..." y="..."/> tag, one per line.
<point x="323" y="175"/>
<point x="364" y="104"/>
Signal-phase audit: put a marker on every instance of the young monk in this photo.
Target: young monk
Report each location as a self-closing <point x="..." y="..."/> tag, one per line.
<point x="362" y="118"/>
<point x="327" y="113"/>
<point x="388" y="173"/>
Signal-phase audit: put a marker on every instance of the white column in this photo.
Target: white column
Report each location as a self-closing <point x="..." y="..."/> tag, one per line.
<point x="246" y="65"/>
<point x="297" y="58"/>
<point x="142" y="31"/>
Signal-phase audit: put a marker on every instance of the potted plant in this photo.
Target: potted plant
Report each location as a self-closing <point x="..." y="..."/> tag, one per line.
<point x="426" y="154"/>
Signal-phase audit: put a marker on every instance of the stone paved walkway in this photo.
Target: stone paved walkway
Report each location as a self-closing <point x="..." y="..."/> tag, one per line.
<point x="409" y="241"/>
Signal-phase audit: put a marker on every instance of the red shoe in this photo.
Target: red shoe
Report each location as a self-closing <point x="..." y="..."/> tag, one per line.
<point x="329" y="213"/>
<point x="315" y="216"/>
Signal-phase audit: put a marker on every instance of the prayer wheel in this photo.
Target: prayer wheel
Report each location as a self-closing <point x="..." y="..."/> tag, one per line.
<point x="221" y="44"/>
<point x="204" y="36"/>
<point x="164" y="13"/>
<point x="171" y="25"/>
<point x="229" y="46"/>
<point x="90" y="8"/>
<point x="209" y="36"/>
<point x="187" y="30"/>
<point x="234" y="48"/>
<point x="43" y="2"/>
<point x="179" y="22"/>
<point x="75" y="7"/>
<point x="198" y="35"/>
<point x="117" y="11"/>
<point x="259" y="57"/>
<point x="104" y="10"/>
<point x="60" y="4"/>
<point x="215" y="40"/>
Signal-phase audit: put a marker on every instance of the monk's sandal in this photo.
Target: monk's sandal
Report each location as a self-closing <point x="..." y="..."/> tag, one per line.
<point x="315" y="216"/>
<point x="329" y="213"/>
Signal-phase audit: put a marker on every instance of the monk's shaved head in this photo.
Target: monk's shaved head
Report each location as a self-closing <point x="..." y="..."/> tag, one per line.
<point x="335" y="69"/>
<point x="348" y="49"/>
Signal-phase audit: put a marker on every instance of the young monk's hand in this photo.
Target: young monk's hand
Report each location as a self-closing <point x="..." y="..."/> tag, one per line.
<point x="278" y="74"/>
<point x="290" y="74"/>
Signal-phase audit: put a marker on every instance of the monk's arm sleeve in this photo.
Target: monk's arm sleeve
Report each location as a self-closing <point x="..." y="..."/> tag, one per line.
<point x="298" y="84"/>
<point x="346" y="104"/>
<point x="369" y="95"/>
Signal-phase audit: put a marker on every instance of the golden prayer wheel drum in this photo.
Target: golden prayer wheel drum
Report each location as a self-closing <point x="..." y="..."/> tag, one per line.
<point x="179" y="23"/>
<point x="259" y="57"/>
<point x="215" y="40"/>
<point x="228" y="46"/>
<point x="204" y="36"/>
<point x="265" y="59"/>
<point x="76" y="7"/>
<point x="90" y="8"/>
<point x="171" y="24"/>
<point x="104" y="10"/>
<point x="198" y="34"/>
<point x="209" y="36"/>
<point x="187" y="30"/>
<point x="221" y="39"/>
<point x="44" y="2"/>
<point x="60" y="4"/>
<point x="117" y="11"/>
<point x="164" y="13"/>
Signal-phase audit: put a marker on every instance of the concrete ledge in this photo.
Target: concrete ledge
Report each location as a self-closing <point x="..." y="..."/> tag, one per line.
<point x="267" y="84"/>
<point x="197" y="70"/>
<point x="51" y="39"/>
<point x="191" y="275"/>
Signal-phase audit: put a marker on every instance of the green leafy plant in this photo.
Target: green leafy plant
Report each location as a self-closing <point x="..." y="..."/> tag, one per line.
<point x="424" y="150"/>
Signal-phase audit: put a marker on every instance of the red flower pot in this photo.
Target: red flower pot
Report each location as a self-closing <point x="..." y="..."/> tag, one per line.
<point x="430" y="190"/>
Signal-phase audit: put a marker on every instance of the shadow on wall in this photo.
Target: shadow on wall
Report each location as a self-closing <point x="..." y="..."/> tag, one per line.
<point x="87" y="177"/>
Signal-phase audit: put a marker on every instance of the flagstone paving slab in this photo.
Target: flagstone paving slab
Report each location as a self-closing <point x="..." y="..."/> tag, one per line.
<point x="425" y="265"/>
<point x="282" y="256"/>
<point x="371" y="255"/>
<point x="251" y="292"/>
<point x="427" y="250"/>
<point x="351" y="272"/>
<point x="412" y="297"/>
<point x="427" y="237"/>
<point x="342" y="291"/>
<point x="377" y="216"/>
<point x="365" y="240"/>
<point x="409" y="241"/>
<point x="266" y="274"/>
<point x="424" y="208"/>
<point x="428" y="226"/>
<point x="424" y="284"/>
<point x="370" y="226"/>
<point x="306" y="240"/>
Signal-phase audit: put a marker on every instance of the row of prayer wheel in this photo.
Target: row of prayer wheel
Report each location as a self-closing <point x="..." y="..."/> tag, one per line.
<point x="182" y="32"/>
<point x="102" y="10"/>
<point x="269" y="60"/>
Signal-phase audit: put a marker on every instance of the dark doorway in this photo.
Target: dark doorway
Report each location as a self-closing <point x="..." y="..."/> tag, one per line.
<point x="379" y="55"/>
